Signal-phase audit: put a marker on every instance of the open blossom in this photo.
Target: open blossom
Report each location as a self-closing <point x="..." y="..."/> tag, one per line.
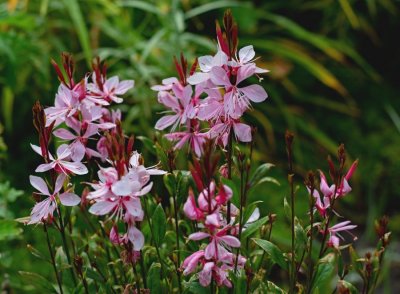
<point x="44" y="209"/>
<point x="180" y="103"/>
<point x="108" y="90"/>
<point x="65" y="105"/>
<point x="63" y="162"/>
<point x="221" y="131"/>
<point x="237" y="99"/>
<point x="120" y="195"/>
<point x="340" y="227"/>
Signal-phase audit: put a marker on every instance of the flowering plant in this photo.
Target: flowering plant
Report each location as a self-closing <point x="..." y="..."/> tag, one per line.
<point x="202" y="234"/>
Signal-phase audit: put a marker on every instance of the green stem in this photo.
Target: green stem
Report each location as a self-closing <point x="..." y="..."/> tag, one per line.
<point x="65" y="245"/>
<point x="177" y="242"/>
<point x="229" y="159"/>
<point x="53" y="261"/>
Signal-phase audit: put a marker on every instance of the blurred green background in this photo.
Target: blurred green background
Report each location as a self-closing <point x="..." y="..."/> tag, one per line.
<point x="333" y="80"/>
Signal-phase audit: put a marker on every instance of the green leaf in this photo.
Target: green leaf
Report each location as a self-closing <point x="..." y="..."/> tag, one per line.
<point x="324" y="272"/>
<point x="249" y="209"/>
<point x="287" y="209"/>
<point x="170" y="183"/>
<point x="182" y="187"/>
<point x="9" y="229"/>
<point x="142" y="5"/>
<point x="153" y="278"/>
<point x="39" y="282"/>
<point x="148" y="144"/>
<point x="76" y="15"/>
<point x="260" y="173"/>
<point x="268" y="287"/>
<point x="273" y="251"/>
<point x="300" y="237"/>
<point x="253" y="227"/>
<point x="239" y="282"/>
<point x="212" y="6"/>
<point x="159" y="223"/>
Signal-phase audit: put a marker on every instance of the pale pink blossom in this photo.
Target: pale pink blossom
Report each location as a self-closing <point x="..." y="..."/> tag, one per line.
<point x="66" y="104"/>
<point x="237" y="99"/>
<point x="62" y="164"/>
<point x="44" y="209"/>
<point x="340" y="227"/>
<point x="180" y="103"/>
<point x="109" y="90"/>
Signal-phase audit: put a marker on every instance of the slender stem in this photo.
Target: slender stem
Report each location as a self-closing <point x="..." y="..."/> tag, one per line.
<point x="103" y="232"/>
<point x="229" y="159"/>
<point x="157" y="245"/>
<point x="136" y="277"/>
<point x="293" y="273"/>
<point x="271" y="223"/>
<point x="142" y="269"/>
<point x="65" y="244"/>
<point x="53" y="261"/>
<point x="310" y="265"/>
<point x="177" y="242"/>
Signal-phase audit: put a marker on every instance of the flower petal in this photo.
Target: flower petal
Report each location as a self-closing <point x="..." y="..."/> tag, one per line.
<point x="69" y="199"/>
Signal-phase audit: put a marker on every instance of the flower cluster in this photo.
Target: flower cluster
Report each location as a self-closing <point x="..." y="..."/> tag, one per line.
<point x="324" y="204"/>
<point x="224" y="81"/>
<point x="118" y="194"/>
<point x="79" y="116"/>
<point x="209" y="211"/>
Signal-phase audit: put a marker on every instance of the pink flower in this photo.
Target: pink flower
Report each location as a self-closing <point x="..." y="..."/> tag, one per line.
<point x="217" y="246"/>
<point x="221" y="131"/>
<point x="340" y="227"/>
<point x="194" y="138"/>
<point x="62" y="164"/>
<point x="180" y="102"/>
<point x="44" y="210"/>
<point x="246" y="56"/>
<point x="107" y="176"/>
<point x="66" y="105"/>
<point x="190" y="263"/>
<point x="190" y="208"/>
<point x="109" y="90"/>
<point x="343" y="189"/>
<point x="133" y="235"/>
<point x="206" y="63"/>
<point x="237" y="99"/>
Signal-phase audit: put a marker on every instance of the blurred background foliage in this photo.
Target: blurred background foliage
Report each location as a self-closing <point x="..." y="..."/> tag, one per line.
<point x="333" y="79"/>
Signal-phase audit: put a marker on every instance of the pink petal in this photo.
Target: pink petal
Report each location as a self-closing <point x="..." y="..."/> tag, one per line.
<point x="210" y="250"/>
<point x="136" y="237"/>
<point x="134" y="207"/>
<point x="166" y="121"/>
<point x="77" y="151"/>
<point x="124" y="86"/>
<point x="197" y="78"/>
<point x="244" y="72"/>
<point x="230" y="241"/>
<point x="205" y="274"/>
<point x="102" y="207"/>
<point x="64" y="134"/>
<point x="77" y="168"/>
<point x="69" y="199"/>
<point x="44" y="167"/>
<point x="39" y="184"/>
<point x="219" y="76"/>
<point x="255" y="93"/>
<point x="59" y="183"/>
<point x="242" y="132"/>
<point x="198" y="236"/>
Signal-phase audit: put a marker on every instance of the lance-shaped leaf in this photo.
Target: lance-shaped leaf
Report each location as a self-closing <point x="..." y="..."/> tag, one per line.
<point x="159" y="223"/>
<point x="324" y="271"/>
<point x="273" y="251"/>
<point x="154" y="278"/>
